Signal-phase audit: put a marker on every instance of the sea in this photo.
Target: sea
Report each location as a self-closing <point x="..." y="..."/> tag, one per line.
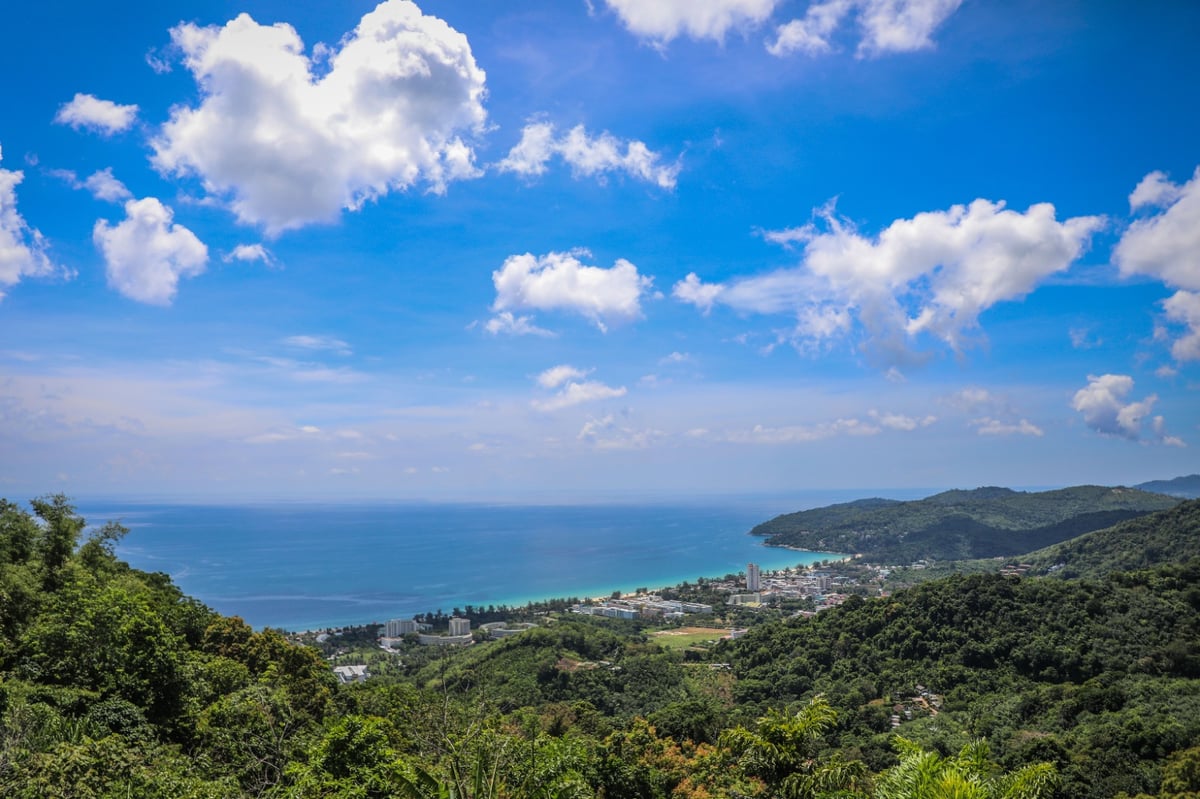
<point x="307" y="566"/>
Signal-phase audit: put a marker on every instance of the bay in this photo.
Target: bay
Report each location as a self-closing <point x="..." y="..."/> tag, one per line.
<point x="301" y="566"/>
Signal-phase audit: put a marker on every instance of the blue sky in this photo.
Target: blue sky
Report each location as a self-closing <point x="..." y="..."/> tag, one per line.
<point x="610" y="248"/>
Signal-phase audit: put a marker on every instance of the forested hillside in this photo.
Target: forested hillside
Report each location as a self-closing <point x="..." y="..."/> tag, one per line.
<point x="1187" y="486"/>
<point x="1168" y="536"/>
<point x="954" y="525"/>
<point x="114" y="684"/>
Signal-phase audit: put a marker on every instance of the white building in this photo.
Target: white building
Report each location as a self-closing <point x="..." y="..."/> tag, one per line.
<point x="753" y="577"/>
<point x="460" y="626"/>
<point x="348" y="674"/>
<point x="397" y="628"/>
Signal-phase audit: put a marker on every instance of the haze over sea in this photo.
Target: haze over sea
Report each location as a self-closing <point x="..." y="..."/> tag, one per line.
<point x="308" y="566"/>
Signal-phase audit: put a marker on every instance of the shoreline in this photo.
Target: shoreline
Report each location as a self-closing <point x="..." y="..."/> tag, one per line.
<point x="522" y="603"/>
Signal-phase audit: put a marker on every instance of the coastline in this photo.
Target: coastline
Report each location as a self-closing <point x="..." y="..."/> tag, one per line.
<point x="523" y="603"/>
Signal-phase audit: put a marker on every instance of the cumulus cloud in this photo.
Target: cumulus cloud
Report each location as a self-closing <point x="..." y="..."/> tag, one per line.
<point x="886" y="26"/>
<point x="932" y="275"/>
<point x="287" y="146"/>
<point x="507" y="322"/>
<point x="249" y="253"/>
<point x="1103" y="403"/>
<point x="147" y="253"/>
<point x="987" y="426"/>
<point x="664" y="20"/>
<point x="23" y="250"/>
<point x="559" y="281"/>
<point x="574" y="393"/>
<point x="588" y="156"/>
<point x="555" y="376"/>
<point x="102" y="116"/>
<point x="1166" y="244"/>
<point x="1183" y="307"/>
<point x="104" y="186"/>
<point x="696" y="292"/>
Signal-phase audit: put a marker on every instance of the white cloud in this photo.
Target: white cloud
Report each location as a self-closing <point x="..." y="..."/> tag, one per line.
<point x="1183" y="307"/>
<point x="319" y="343"/>
<point x="1165" y="245"/>
<point x="887" y="26"/>
<point x="897" y="421"/>
<point x="146" y="253"/>
<point x="1154" y="191"/>
<point x="987" y="426"/>
<point x="798" y="434"/>
<point x="810" y="35"/>
<point x="901" y="26"/>
<point x="696" y="292"/>
<point x="249" y="253"/>
<point x="1102" y="403"/>
<point x="561" y="282"/>
<point x="102" y="116"/>
<point x="607" y="434"/>
<point x="506" y="322"/>
<point x="289" y="147"/>
<point x="933" y="274"/>
<point x="587" y="156"/>
<point x="555" y="376"/>
<point x="104" y="186"/>
<point x="578" y="393"/>
<point x="664" y="20"/>
<point x="23" y="250"/>
<point x="676" y="357"/>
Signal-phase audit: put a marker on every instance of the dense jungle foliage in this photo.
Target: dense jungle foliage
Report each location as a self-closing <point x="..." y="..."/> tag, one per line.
<point x="955" y="525"/>
<point x="115" y="684"/>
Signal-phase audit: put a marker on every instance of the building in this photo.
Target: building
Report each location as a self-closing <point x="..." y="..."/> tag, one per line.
<point x="753" y="577"/>
<point x="397" y="628"/>
<point x="460" y="626"/>
<point x="444" y="640"/>
<point x="348" y="674"/>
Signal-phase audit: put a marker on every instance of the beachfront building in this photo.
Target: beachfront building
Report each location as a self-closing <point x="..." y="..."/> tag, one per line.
<point x="460" y="626"/>
<point x="753" y="577"/>
<point x="397" y="628"/>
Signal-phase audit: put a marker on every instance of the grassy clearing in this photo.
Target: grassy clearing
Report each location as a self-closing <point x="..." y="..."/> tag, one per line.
<point x="684" y="637"/>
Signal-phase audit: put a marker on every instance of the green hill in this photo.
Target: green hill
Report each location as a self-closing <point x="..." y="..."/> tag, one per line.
<point x="1187" y="487"/>
<point x="955" y="525"/>
<point x="1170" y="536"/>
<point x="1099" y="676"/>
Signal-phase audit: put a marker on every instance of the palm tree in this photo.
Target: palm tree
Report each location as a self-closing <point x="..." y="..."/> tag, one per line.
<point x="969" y="775"/>
<point x="782" y="751"/>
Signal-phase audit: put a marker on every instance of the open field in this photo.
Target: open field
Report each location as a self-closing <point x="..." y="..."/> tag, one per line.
<point x="683" y="637"/>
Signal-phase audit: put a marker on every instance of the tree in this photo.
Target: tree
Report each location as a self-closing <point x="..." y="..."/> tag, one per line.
<point x="969" y="775"/>
<point x="783" y="751"/>
<point x="60" y="533"/>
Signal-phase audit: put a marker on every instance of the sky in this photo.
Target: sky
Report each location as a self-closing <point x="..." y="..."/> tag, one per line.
<point x="596" y="248"/>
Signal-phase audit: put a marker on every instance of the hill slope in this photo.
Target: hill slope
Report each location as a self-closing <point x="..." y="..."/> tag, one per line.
<point x="1187" y="487"/>
<point x="984" y="522"/>
<point x="1170" y="536"/>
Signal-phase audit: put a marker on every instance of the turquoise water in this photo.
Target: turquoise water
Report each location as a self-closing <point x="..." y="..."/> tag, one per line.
<point x="301" y="566"/>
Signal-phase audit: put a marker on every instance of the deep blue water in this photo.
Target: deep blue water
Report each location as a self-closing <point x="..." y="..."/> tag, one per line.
<point x="300" y="566"/>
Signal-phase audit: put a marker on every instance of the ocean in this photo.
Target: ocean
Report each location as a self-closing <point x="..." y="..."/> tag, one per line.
<point x="311" y="566"/>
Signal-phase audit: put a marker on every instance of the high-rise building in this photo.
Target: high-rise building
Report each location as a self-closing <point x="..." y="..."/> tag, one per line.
<point x="753" y="577"/>
<point x="398" y="627"/>
<point x="460" y="626"/>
